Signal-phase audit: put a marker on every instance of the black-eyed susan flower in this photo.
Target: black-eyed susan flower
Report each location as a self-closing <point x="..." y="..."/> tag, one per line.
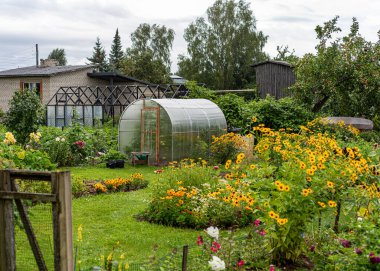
<point x="302" y="165"/>
<point x="332" y="203"/>
<point x="272" y="214"/>
<point x="286" y="188"/>
<point x="252" y="166"/>
<point x="330" y="184"/>
<point x="305" y="192"/>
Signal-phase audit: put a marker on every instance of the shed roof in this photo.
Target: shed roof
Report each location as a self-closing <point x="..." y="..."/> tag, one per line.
<point x="283" y="63"/>
<point x="116" y="77"/>
<point x="33" y="71"/>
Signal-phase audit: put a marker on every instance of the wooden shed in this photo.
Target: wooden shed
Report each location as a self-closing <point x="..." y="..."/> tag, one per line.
<point x="273" y="77"/>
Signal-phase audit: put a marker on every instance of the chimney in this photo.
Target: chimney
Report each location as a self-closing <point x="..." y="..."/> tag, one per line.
<point x="44" y="63"/>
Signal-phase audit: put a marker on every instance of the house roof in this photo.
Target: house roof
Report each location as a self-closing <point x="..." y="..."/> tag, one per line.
<point x="33" y="71"/>
<point x="283" y="63"/>
<point x="115" y="77"/>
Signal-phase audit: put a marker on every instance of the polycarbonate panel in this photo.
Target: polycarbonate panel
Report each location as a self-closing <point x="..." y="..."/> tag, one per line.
<point x="51" y="115"/>
<point x="182" y="123"/>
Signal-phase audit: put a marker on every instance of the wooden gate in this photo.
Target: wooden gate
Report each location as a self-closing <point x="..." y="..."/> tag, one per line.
<point x="60" y="198"/>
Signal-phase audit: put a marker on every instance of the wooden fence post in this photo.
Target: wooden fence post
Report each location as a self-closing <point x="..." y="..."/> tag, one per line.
<point x="7" y="234"/>
<point x="62" y="222"/>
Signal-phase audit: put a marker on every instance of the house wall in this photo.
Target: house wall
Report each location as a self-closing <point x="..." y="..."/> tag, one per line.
<point x="273" y="79"/>
<point x="50" y="85"/>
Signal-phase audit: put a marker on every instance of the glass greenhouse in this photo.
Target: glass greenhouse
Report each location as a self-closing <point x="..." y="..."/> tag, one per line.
<point x="169" y="129"/>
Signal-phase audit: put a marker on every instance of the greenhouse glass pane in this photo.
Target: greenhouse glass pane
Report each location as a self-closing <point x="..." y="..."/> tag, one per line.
<point x="51" y="115"/>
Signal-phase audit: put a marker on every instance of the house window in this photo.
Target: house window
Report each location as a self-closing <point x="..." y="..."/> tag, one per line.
<point x="32" y="86"/>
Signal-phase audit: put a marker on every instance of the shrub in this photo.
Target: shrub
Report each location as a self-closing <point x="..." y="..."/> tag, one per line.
<point x="226" y="147"/>
<point x="25" y="114"/>
<point x="282" y="113"/>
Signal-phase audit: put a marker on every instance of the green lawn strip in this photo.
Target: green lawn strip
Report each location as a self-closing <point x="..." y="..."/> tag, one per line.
<point x="109" y="218"/>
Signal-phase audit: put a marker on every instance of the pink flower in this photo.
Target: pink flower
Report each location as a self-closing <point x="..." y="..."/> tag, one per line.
<point x="158" y="171"/>
<point x="199" y="240"/>
<point x="262" y="232"/>
<point x="240" y="263"/>
<point x="216" y="167"/>
<point x="80" y="144"/>
<point x="272" y="268"/>
<point x="215" y="247"/>
<point x="257" y="222"/>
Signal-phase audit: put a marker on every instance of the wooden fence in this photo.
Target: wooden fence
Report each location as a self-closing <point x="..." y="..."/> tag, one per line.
<point x="60" y="198"/>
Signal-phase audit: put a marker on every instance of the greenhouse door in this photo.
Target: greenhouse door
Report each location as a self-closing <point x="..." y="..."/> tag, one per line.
<point x="150" y="132"/>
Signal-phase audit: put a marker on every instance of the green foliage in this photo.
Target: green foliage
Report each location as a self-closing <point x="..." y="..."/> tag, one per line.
<point x="233" y="108"/>
<point x="282" y="113"/>
<point x="77" y="144"/>
<point x="99" y="56"/>
<point x="283" y="54"/>
<point x="226" y="147"/>
<point x="342" y="79"/>
<point x="197" y="91"/>
<point x="116" y="54"/>
<point x="113" y="155"/>
<point x="217" y="57"/>
<point x="25" y="114"/>
<point x="59" y="55"/>
<point x="149" y="56"/>
<point x="78" y="186"/>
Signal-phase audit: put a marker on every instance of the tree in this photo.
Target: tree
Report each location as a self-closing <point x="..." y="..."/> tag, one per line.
<point x="59" y="55"/>
<point x="284" y="54"/>
<point x="99" y="56"/>
<point x="343" y="78"/>
<point x="149" y="56"/>
<point x="25" y="114"/>
<point x="116" y="55"/>
<point x="222" y="48"/>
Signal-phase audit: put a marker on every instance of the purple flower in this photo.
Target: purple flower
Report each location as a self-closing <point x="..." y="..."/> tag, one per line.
<point x="262" y="232"/>
<point x="358" y="251"/>
<point x="374" y="259"/>
<point x="312" y="248"/>
<point x="345" y="243"/>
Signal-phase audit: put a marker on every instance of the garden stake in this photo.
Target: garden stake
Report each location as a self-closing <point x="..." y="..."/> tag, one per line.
<point x="184" y="257"/>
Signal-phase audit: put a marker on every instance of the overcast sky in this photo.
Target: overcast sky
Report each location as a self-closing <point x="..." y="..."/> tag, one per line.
<point x="75" y="24"/>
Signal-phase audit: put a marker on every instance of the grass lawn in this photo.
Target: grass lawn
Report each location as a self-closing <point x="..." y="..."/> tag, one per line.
<point x="107" y="219"/>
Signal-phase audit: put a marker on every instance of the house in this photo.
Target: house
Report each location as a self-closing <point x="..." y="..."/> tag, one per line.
<point x="176" y="79"/>
<point x="47" y="78"/>
<point x="273" y="78"/>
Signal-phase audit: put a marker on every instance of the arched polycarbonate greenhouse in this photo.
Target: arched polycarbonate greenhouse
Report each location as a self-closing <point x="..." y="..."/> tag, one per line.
<point x="169" y="129"/>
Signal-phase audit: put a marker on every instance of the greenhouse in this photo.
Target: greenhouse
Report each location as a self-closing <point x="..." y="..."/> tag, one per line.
<point x="164" y="130"/>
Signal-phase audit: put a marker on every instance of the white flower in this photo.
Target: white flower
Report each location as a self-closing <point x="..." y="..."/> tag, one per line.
<point x="213" y="232"/>
<point x="360" y="219"/>
<point x="57" y="139"/>
<point x="63" y="139"/>
<point x="217" y="264"/>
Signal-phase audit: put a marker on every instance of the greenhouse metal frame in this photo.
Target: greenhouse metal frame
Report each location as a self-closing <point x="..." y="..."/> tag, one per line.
<point x="168" y="129"/>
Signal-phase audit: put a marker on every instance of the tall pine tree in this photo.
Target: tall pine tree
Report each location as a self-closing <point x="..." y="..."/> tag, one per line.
<point x="99" y="56"/>
<point x="116" y="55"/>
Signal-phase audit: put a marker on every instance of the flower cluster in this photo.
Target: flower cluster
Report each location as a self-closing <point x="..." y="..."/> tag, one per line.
<point x="35" y="137"/>
<point x="80" y="144"/>
<point x="9" y="138"/>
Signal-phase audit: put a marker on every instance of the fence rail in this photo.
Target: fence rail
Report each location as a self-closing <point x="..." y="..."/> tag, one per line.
<point x="60" y="198"/>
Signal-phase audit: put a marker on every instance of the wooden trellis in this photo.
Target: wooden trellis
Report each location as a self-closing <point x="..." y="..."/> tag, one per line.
<point x="60" y="198"/>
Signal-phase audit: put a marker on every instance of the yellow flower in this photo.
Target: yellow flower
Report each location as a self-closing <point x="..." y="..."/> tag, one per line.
<point x="308" y="178"/>
<point x="110" y="256"/>
<point x="254" y="119"/>
<point x="241" y="156"/>
<point x="281" y="187"/>
<point x="122" y="257"/>
<point x="126" y="266"/>
<point x="238" y="161"/>
<point x="9" y="138"/>
<point x="277" y="183"/>
<point x="322" y="204"/>
<point x="272" y="214"/>
<point x="302" y="165"/>
<point x="286" y="188"/>
<point x="80" y="229"/>
<point x="332" y="203"/>
<point x="305" y="192"/>
<point x="249" y="135"/>
<point x="252" y="166"/>
<point x="21" y="155"/>
<point x="330" y="184"/>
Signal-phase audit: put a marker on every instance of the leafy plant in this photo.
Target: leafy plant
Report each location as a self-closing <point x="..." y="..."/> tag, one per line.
<point x="25" y="114"/>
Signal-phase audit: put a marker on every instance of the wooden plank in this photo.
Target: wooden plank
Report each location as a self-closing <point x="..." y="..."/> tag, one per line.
<point x="31" y="196"/>
<point x="62" y="222"/>
<point x="7" y="235"/>
<point x="30" y="175"/>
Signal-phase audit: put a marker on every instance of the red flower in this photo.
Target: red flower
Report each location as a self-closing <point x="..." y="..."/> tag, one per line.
<point x="240" y="263"/>
<point x="216" y="167"/>
<point x="199" y="240"/>
<point x="215" y="247"/>
<point x="272" y="268"/>
<point x="80" y="144"/>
